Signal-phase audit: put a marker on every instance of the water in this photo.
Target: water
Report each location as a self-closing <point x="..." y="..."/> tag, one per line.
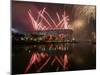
<point x="53" y="57"/>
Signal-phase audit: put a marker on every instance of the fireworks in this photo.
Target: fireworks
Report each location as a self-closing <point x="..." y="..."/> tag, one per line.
<point x="35" y="58"/>
<point x="63" y="22"/>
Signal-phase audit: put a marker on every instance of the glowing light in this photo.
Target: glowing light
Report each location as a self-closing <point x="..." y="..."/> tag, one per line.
<point x="36" y="58"/>
<point x="38" y="24"/>
<point x="62" y="21"/>
<point x="58" y="16"/>
<point x="50" y="18"/>
<point x="65" y="61"/>
<point x="34" y="23"/>
<point x="79" y="23"/>
<point x="43" y="64"/>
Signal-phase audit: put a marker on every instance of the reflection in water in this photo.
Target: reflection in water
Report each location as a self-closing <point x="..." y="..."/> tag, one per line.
<point x="53" y="57"/>
<point x="36" y="59"/>
<point x="49" y="47"/>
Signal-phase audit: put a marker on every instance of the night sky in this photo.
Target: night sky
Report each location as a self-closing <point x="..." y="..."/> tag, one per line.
<point x="20" y="19"/>
<point x="86" y="13"/>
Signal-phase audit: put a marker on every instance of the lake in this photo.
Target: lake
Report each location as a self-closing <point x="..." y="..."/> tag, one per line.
<point x="52" y="57"/>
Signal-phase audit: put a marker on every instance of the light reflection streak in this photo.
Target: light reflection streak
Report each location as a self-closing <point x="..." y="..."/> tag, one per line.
<point x="36" y="59"/>
<point x="57" y="69"/>
<point x="53" y="61"/>
<point x="43" y="65"/>
<point x="59" y="60"/>
<point x="65" y="61"/>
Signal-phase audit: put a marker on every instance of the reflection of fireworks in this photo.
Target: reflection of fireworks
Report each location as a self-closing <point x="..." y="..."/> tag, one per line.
<point x="36" y="58"/>
<point x="39" y="25"/>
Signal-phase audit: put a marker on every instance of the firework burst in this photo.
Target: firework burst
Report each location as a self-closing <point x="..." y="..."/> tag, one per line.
<point x="63" y="22"/>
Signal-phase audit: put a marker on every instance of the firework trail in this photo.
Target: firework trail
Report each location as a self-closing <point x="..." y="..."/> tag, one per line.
<point x="38" y="23"/>
<point x="58" y="16"/>
<point x="50" y="18"/>
<point x="62" y="21"/>
<point x="40" y="13"/>
<point x="45" y="20"/>
<point x="34" y="23"/>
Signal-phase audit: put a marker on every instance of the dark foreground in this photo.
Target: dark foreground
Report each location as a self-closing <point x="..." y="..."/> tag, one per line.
<point x="53" y="57"/>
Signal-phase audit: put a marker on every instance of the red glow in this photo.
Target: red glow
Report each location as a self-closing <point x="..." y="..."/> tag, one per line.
<point x="39" y="25"/>
<point x="36" y="59"/>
